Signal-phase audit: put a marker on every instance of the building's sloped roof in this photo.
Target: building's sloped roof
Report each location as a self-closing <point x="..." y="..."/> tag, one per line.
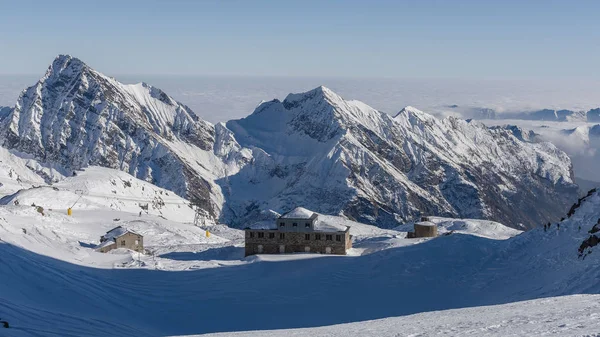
<point x="425" y="224"/>
<point x="104" y="244"/>
<point x="320" y="226"/>
<point x="117" y="232"/>
<point x="298" y="213"/>
<point x="323" y="226"/>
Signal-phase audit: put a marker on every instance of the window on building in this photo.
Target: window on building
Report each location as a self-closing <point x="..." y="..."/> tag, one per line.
<point x="282" y="235"/>
<point x="317" y="236"/>
<point x="282" y="224"/>
<point x="295" y="224"/>
<point x="338" y="238"/>
<point x="261" y="235"/>
<point x="307" y="225"/>
<point x="271" y="235"/>
<point x="251" y="234"/>
<point x="122" y="242"/>
<point x="137" y="242"/>
<point x="306" y="236"/>
<point x="328" y="237"/>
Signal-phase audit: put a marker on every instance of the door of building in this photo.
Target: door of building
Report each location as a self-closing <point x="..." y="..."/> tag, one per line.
<point x="327" y="250"/>
<point x="281" y="249"/>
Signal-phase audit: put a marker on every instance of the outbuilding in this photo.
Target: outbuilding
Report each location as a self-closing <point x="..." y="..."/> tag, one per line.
<point x="423" y="229"/>
<point x="120" y="237"/>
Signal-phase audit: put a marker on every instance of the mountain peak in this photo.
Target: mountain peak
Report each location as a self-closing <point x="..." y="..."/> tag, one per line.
<point x="65" y="65"/>
<point x="320" y="93"/>
<point x="409" y="110"/>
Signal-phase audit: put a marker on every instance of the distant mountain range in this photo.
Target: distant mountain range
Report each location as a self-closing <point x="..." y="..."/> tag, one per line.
<point x="313" y="149"/>
<point x="552" y="115"/>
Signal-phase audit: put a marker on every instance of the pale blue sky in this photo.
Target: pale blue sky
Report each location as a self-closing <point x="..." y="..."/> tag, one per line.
<point x="477" y="39"/>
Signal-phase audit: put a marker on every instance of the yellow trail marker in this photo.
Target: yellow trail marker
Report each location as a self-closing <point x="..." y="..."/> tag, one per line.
<point x="207" y="234"/>
<point x="69" y="211"/>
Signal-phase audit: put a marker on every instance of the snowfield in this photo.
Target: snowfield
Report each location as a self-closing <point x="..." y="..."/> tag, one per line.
<point x="482" y="228"/>
<point x="576" y="315"/>
<point x="193" y="284"/>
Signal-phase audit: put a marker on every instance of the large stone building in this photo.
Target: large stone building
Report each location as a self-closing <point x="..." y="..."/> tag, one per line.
<point x="120" y="237"/>
<point x="298" y="231"/>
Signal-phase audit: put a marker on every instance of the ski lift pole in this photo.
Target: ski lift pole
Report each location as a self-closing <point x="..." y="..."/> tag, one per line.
<point x="70" y="209"/>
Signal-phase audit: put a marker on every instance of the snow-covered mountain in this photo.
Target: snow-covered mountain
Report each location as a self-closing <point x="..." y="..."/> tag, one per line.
<point x="343" y="157"/>
<point x="74" y="117"/>
<point x="313" y="149"/>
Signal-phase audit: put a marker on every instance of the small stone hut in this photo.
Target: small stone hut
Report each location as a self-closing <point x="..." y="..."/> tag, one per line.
<point x="423" y="229"/>
<point x="298" y="231"/>
<point x="120" y="237"/>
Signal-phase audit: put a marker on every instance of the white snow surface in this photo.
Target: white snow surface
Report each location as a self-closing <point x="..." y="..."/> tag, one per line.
<point x="298" y="213"/>
<point x="575" y="315"/>
<point x="483" y="228"/>
<point x="101" y="188"/>
<point x="196" y="284"/>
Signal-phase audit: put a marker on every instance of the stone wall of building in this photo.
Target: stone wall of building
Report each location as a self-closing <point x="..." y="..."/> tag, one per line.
<point x="425" y="230"/>
<point x="282" y="242"/>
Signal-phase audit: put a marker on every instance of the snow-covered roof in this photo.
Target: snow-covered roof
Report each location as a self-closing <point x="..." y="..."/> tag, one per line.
<point x="104" y="244"/>
<point x="425" y="223"/>
<point x="265" y="224"/>
<point x="298" y="213"/>
<point x="116" y="232"/>
<point x="324" y="226"/>
<point x="320" y="226"/>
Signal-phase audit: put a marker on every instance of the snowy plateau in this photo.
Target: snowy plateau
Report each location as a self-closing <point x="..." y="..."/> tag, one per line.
<point x="132" y="156"/>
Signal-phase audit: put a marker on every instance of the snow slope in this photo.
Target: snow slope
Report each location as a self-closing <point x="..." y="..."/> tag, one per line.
<point x="483" y="228"/>
<point x="101" y="188"/>
<point x="18" y="171"/>
<point x="575" y="315"/>
<point x="449" y="272"/>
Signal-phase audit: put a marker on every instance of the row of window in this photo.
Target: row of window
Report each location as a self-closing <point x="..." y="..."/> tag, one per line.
<point x="295" y="224"/>
<point x="260" y="249"/>
<point x="261" y="235"/>
<point x="328" y="237"/>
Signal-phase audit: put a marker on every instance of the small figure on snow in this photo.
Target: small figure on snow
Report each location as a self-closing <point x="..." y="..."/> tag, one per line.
<point x="140" y="213"/>
<point x="558" y="226"/>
